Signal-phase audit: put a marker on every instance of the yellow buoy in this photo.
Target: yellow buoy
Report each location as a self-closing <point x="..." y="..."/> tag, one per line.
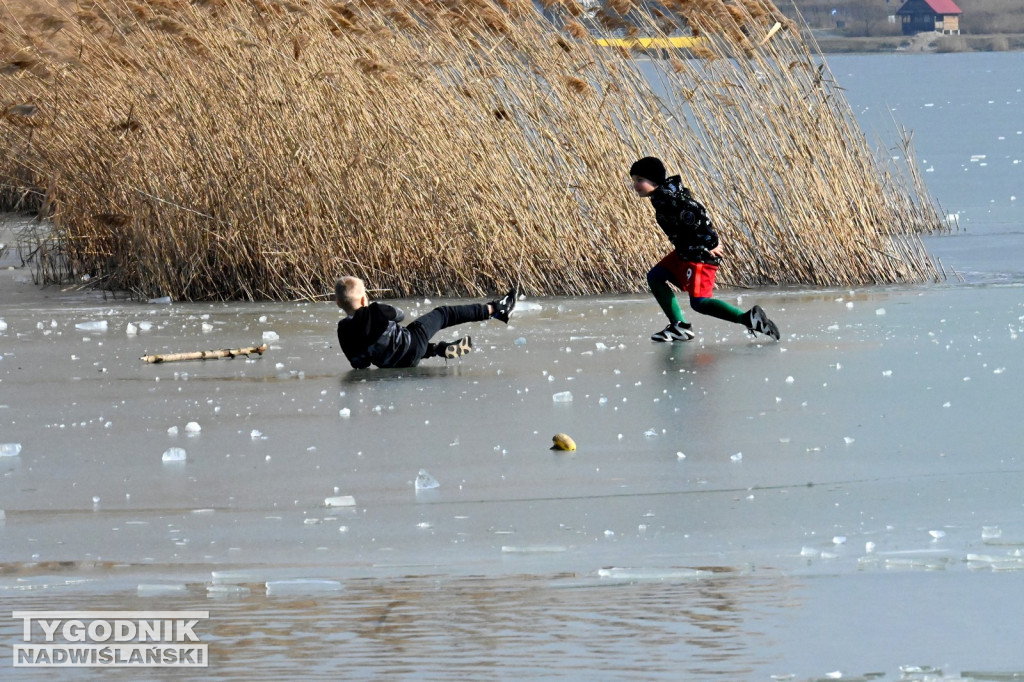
<point x="562" y="442"/>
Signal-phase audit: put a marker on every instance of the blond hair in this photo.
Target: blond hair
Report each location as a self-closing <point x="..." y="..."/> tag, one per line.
<point x="347" y="292"/>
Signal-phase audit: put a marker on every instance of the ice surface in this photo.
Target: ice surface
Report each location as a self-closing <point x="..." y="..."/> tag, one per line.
<point x="424" y="481"/>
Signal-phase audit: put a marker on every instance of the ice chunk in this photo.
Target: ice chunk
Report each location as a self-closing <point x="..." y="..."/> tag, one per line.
<point x="256" y="434"/>
<point x="207" y="327"/>
<point x="521" y="341"/>
<point x="345" y="412"/>
<point x="3" y="325"/>
<point x="225" y="590"/>
<point x="990" y="532"/>
<point x="424" y="481"/>
<point x="937" y="534"/>
<point x="193" y="428"/>
<point x="270" y="336"/>
<point x="340" y="501"/>
<point x="738" y="457"/>
<point x="302" y="586"/>
<point x="172" y="431"/>
<point x="653" y="573"/>
<point x="93" y="326"/>
<point x="10" y="449"/>
<point x="237" y="576"/>
<point x="130" y="329"/>
<point x="154" y="589"/>
<point x="562" y="397"/>
<point x="162" y="300"/>
<point x="174" y="455"/>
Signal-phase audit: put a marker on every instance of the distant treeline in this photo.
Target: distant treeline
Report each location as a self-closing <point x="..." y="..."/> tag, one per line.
<point x="871" y="17"/>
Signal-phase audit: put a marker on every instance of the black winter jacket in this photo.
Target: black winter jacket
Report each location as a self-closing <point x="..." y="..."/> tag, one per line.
<point x="685" y="221"/>
<point x="372" y="335"/>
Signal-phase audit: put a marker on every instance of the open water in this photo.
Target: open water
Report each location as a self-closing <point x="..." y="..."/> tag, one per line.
<point x="843" y="504"/>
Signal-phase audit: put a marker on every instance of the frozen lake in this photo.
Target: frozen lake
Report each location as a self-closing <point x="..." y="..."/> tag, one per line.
<point x="846" y="501"/>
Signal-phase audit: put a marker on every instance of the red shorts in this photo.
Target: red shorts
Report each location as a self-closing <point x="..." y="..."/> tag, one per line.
<point x="696" y="279"/>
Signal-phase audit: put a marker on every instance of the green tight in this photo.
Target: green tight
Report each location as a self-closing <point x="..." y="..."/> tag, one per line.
<point x="714" y="307"/>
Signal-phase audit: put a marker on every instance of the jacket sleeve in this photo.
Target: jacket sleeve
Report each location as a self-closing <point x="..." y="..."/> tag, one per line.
<point x="391" y="312"/>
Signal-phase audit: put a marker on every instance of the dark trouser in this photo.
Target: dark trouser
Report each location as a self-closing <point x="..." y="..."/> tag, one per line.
<point x="439" y="318"/>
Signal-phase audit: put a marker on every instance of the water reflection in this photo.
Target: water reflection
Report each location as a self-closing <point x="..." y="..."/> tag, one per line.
<point x="444" y="627"/>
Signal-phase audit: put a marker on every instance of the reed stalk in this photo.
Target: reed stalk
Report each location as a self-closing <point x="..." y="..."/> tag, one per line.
<point x="256" y="149"/>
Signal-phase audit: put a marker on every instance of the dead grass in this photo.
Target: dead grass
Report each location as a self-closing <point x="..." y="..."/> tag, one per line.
<point x="254" y="149"/>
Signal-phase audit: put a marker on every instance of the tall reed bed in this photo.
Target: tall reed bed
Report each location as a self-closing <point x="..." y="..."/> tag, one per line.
<point x="252" y="149"/>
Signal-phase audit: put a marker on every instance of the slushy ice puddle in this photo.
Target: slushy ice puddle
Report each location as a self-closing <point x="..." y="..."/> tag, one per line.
<point x="844" y="501"/>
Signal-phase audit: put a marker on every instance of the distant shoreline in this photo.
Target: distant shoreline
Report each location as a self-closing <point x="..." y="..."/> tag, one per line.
<point x="830" y="43"/>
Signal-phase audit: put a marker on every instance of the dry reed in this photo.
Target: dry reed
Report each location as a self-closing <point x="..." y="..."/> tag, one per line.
<point x="253" y="149"/>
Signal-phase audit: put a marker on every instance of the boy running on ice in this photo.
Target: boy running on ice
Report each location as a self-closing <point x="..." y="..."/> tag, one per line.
<point x="694" y="262"/>
<point x="370" y="334"/>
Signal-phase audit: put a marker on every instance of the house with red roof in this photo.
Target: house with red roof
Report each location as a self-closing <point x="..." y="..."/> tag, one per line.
<point x="920" y="16"/>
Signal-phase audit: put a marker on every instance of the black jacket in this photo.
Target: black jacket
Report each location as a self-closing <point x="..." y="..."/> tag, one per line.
<point x="685" y="221"/>
<point x="372" y="335"/>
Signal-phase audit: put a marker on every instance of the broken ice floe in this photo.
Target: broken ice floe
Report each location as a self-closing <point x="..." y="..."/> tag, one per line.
<point x="424" y="481"/>
<point x="93" y="326"/>
<point x="1007" y="562"/>
<point x="532" y="549"/>
<point x="639" y="574"/>
<point x="174" y="455"/>
<point x="238" y="576"/>
<point x="158" y="589"/>
<point x="991" y="532"/>
<point x="227" y="590"/>
<point x="301" y="586"/>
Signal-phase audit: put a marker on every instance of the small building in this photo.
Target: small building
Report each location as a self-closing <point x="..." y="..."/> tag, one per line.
<point x="922" y="16"/>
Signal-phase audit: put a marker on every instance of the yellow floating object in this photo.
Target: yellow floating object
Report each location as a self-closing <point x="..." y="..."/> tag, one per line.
<point x="684" y="42"/>
<point x="563" y="442"/>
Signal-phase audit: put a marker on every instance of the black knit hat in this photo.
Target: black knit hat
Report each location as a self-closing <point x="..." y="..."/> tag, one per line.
<point x="649" y="168"/>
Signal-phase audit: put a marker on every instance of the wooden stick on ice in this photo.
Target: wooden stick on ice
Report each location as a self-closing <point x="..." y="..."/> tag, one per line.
<point x="204" y="354"/>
